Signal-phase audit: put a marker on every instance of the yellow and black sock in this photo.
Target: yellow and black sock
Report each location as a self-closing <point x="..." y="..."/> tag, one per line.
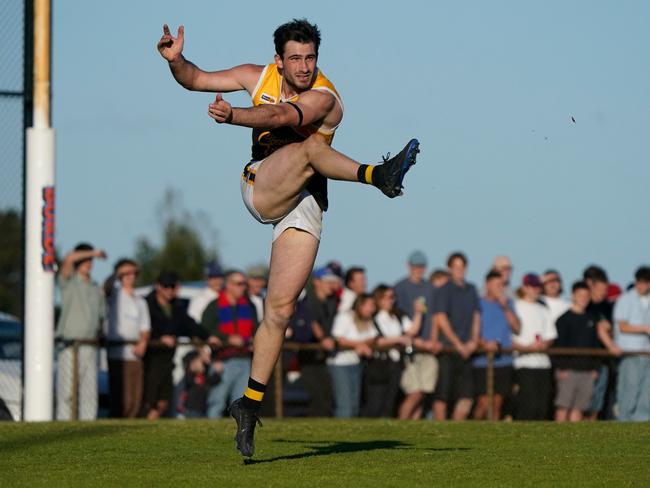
<point x="254" y="394"/>
<point x="370" y="175"/>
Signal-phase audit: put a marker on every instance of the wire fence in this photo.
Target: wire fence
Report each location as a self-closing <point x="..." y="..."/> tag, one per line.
<point x="15" y="115"/>
<point x="84" y="386"/>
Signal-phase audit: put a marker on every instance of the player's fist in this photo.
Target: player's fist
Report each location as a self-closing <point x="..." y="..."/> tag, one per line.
<point x="220" y="110"/>
<point x="171" y="47"/>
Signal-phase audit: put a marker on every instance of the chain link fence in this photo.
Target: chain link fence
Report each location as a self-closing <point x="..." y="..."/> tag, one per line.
<point x="15" y="115"/>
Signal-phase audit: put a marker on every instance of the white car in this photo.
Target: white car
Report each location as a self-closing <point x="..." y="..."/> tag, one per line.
<point x="11" y="353"/>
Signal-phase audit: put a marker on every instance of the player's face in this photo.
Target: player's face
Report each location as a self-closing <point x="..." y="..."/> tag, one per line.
<point x="298" y="64"/>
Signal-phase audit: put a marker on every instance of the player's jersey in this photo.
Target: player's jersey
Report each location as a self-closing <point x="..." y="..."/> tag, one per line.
<point x="266" y="141"/>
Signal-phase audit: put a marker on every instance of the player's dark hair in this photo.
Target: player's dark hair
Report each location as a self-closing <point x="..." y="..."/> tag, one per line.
<point x="642" y="274"/>
<point x="349" y="274"/>
<point x="595" y="273"/>
<point x="492" y="274"/>
<point x="298" y="30"/>
<point x="457" y="255"/>
<point x="579" y="285"/>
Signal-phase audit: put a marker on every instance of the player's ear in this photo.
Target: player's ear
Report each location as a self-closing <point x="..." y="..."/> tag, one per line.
<point x="278" y="61"/>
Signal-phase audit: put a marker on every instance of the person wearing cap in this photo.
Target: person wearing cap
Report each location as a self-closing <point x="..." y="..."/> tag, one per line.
<point x="458" y="322"/>
<point x="214" y="283"/>
<point x="414" y="296"/>
<point x="82" y="312"/>
<point x="532" y="365"/>
<point x="127" y="332"/>
<point x="503" y="265"/>
<point x="632" y="334"/>
<point x="168" y="320"/>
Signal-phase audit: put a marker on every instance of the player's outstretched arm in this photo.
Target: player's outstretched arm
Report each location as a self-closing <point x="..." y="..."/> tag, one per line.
<point x="191" y="77"/>
<point x="312" y="107"/>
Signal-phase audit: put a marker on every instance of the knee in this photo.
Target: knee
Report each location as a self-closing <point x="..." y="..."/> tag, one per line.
<point x="312" y="144"/>
<point x="278" y="314"/>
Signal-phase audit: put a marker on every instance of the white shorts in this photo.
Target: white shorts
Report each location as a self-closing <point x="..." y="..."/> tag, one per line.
<point x="306" y="215"/>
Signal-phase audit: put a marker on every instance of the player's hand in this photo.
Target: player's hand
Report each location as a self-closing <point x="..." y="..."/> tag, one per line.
<point x="220" y="110"/>
<point x="171" y="47"/>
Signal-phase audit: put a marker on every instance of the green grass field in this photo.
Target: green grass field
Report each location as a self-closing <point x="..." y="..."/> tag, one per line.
<point x="331" y="453"/>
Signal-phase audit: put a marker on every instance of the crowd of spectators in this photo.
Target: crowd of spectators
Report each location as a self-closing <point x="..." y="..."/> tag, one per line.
<point x="421" y="348"/>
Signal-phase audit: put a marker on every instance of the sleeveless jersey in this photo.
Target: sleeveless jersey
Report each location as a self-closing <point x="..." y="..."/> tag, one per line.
<point x="267" y="141"/>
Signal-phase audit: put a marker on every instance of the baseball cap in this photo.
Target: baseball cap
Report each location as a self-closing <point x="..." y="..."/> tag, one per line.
<point x="324" y="273"/>
<point x="531" y="279"/>
<point x="167" y="278"/>
<point x="336" y="268"/>
<point x="417" y="258"/>
<point x="213" y="270"/>
<point x="259" y="271"/>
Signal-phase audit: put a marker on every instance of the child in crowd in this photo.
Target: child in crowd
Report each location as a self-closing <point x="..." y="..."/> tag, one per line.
<point x="201" y="373"/>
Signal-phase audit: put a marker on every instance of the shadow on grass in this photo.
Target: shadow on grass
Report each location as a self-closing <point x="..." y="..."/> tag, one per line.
<point x="327" y="448"/>
<point x="70" y="432"/>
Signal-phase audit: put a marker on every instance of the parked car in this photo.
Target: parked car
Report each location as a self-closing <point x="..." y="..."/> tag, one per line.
<point x="11" y="354"/>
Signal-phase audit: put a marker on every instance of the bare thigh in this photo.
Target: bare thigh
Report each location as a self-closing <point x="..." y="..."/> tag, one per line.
<point x="280" y="180"/>
<point x="292" y="261"/>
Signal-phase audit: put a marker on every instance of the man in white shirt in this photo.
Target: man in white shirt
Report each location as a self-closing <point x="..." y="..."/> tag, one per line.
<point x="127" y="332"/>
<point x="214" y="281"/>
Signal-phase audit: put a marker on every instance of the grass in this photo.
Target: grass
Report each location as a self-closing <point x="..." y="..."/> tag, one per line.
<point x="325" y="452"/>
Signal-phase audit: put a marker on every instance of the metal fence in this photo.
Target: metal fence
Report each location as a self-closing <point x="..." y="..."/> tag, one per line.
<point x="15" y="115"/>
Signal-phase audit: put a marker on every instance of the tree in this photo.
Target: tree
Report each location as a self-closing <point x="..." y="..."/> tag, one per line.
<point x="11" y="262"/>
<point x="183" y="247"/>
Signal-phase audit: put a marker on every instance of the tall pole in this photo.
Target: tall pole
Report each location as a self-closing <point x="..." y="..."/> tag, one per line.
<point x="40" y="264"/>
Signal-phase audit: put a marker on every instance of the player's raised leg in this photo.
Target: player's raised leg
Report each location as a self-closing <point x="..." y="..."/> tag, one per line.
<point x="282" y="176"/>
<point x="292" y="260"/>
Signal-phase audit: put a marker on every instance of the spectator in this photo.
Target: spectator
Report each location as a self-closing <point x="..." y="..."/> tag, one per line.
<point x="532" y="366"/>
<point x="415" y="297"/>
<point x="355" y="284"/>
<point x="82" y="311"/>
<point x="233" y="319"/>
<point x="128" y="321"/>
<point x="632" y="333"/>
<point x="321" y="302"/>
<point x="168" y="320"/>
<point x="575" y="376"/>
<point x="214" y="282"/>
<point x="498" y="323"/>
<point x="601" y="308"/>
<point x="257" y="279"/>
<point x="552" y="294"/>
<point x="503" y="265"/>
<point x="458" y="319"/>
<point x="439" y="278"/>
<point x="355" y="336"/>
<point x="384" y="370"/>
<point x="200" y="375"/>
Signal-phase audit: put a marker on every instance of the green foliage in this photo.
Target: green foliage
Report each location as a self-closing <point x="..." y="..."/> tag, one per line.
<point x="325" y="452"/>
<point x="11" y="262"/>
<point x="183" y="248"/>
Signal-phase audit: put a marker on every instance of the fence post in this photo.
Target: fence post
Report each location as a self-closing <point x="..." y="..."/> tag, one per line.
<point x="74" y="410"/>
<point x="490" y="384"/>
<point x="277" y="383"/>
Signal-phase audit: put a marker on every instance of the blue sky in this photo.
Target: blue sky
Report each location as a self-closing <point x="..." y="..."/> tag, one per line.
<point x="489" y="88"/>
